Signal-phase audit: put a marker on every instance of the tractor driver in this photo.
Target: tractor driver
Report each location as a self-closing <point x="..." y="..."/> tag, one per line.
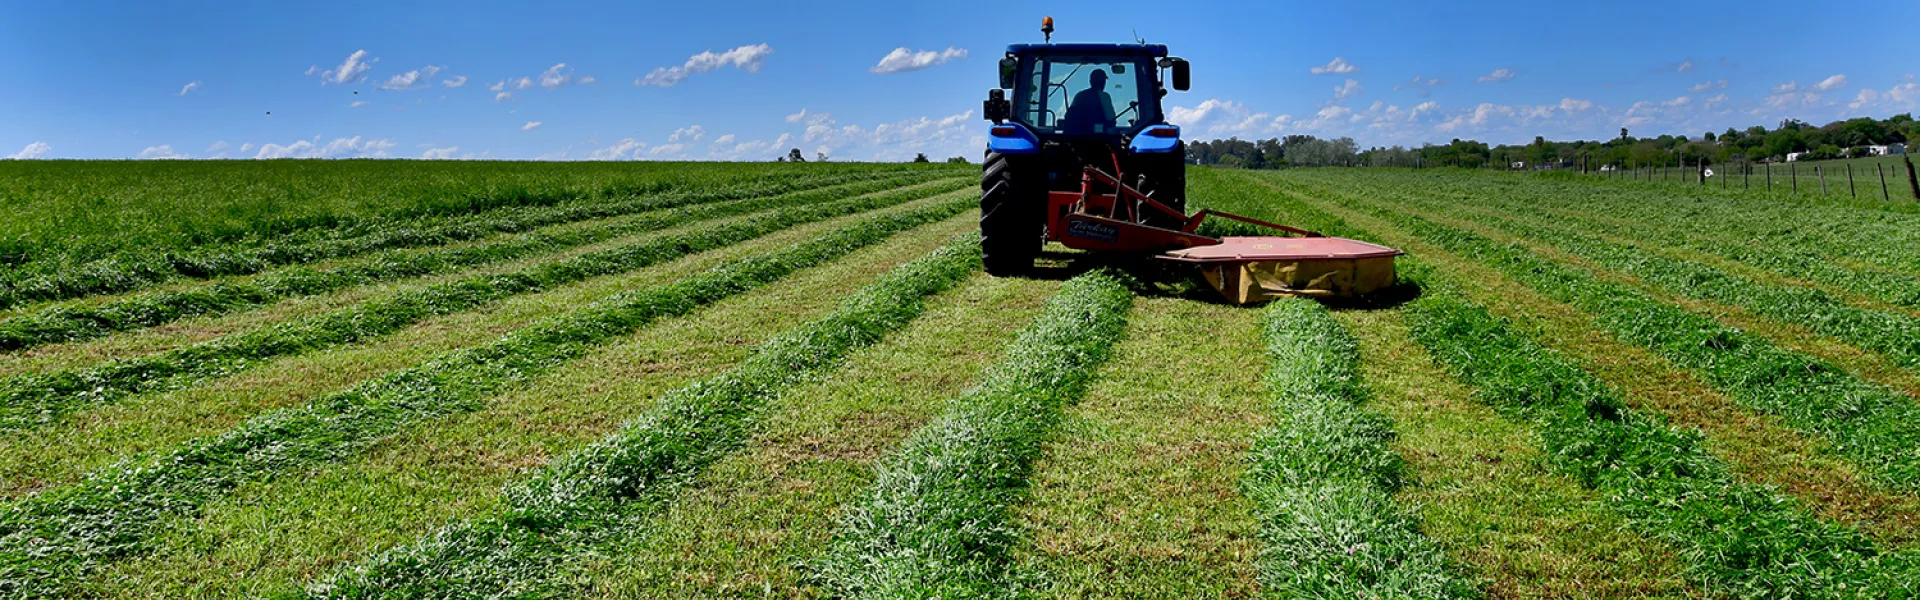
<point x="1092" y="108"/>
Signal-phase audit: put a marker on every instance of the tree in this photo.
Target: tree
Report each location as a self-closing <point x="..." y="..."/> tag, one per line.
<point x="957" y="160"/>
<point x="920" y="157"/>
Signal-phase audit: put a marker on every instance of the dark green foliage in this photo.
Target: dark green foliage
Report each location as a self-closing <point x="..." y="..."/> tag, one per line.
<point x="936" y="522"/>
<point x="49" y="539"/>
<point x="1323" y="477"/>
<point x="35" y="399"/>
<point x="157" y="308"/>
<point x="587" y="497"/>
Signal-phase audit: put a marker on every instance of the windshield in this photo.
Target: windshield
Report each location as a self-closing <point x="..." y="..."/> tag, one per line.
<point x="1086" y="95"/>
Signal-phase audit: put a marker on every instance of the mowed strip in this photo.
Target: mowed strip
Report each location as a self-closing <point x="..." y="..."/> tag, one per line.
<point x="1324" y="478"/>
<point x="63" y="452"/>
<point x="274" y="537"/>
<point x="51" y="536"/>
<point x="1868" y="424"/>
<point x="1763" y="449"/>
<point x="584" y="499"/>
<point x="64" y="324"/>
<point x="32" y="400"/>
<point x="938" y="520"/>
<point x="39" y="283"/>
<point x="742" y="528"/>
<point x="1139" y="495"/>
<point x="1737" y="538"/>
<point x="1482" y="494"/>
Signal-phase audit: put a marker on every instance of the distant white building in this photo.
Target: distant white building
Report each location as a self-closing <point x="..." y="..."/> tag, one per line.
<point x="1887" y="150"/>
<point x="1794" y="156"/>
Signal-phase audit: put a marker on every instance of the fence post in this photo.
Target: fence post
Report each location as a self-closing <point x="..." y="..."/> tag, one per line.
<point x="1883" y="181"/>
<point x="1912" y="182"/>
<point x="1746" y="176"/>
<point x="1769" y="176"/>
<point x="1850" y="191"/>
<point x="1795" y="171"/>
<point x="1822" y="176"/>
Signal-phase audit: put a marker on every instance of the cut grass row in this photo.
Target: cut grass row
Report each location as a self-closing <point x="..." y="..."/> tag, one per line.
<point x="579" y="501"/>
<point x="1868" y="424"/>
<point x="743" y="525"/>
<point x="1762" y="447"/>
<point x="68" y="324"/>
<point x="1740" y="539"/>
<point x="1682" y="231"/>
<point x="36" y="399"/>
<point x="937" y="520"/>
<point x="48" y="539"/>
<point x="54" y="281"/>
<point x="274" y="537"/>
<point x="1893" y="334"/>
<point x="1324" y="477"/>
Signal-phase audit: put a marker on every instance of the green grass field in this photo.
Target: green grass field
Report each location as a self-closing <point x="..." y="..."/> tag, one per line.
<point x="393" y="379"/>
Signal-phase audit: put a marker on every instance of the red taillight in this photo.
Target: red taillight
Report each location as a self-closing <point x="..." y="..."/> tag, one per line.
<point x="1165" y="132"/>
<point x="1005" y="130"/>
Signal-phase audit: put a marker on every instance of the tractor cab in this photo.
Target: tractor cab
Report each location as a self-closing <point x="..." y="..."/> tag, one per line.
<point x="1086" y="91"/>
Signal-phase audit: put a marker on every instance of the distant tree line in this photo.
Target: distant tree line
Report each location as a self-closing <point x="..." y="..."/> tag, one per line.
<point x="1839" y="139"/>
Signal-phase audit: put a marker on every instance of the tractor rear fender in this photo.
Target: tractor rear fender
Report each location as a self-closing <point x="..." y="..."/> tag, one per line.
<point x="1012" y="138"/>
<point x="1156" y="139"/>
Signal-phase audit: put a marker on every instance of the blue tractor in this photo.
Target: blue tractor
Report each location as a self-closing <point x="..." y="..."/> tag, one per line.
<point x="1082" y="154"/>
<point x="1075" y="106"/>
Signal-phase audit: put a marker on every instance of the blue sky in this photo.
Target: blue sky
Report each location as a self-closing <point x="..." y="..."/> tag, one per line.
<point x="881" y="81"/>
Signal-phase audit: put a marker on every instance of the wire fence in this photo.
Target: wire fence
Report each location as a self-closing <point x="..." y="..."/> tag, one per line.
<point x="1885" y="178"/>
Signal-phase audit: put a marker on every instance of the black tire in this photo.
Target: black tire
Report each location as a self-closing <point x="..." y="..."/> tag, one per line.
<point x="1013" y="200"/>
<point x="1164" y="178"/>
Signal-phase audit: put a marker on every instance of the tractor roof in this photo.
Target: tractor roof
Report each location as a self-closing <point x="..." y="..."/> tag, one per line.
<point x="1155" y="50"/>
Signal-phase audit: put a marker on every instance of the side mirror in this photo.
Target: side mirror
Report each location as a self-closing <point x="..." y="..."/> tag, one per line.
<point x="1009" y="68"/>
<point x="1182" y="79"/>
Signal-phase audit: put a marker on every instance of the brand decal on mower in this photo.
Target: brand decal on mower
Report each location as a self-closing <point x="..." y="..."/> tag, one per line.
<point x="1093" y="230"/>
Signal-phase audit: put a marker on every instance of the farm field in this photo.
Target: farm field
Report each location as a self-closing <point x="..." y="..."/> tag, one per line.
<point x="355" y="379"/>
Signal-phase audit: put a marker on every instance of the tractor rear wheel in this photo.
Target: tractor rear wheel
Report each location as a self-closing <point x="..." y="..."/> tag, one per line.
<point x="1164" y="178"/>
<point x="1013" y="200"/>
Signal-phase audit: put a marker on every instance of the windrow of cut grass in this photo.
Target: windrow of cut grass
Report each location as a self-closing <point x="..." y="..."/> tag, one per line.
<point x="1868" y="424"/>
<point x="49" y="539"/>
<point x="38" y="398"/>
<point x="1539" y="204"/>
<point x="1893" y="334"/>
<point x="1739" y="539"/>
<point x="590" y="497"/>
<point x="63" y="324"/>
<point x="936" y="521"/>
<point x="133" y="270"/>
<point x="1324" y="477"/>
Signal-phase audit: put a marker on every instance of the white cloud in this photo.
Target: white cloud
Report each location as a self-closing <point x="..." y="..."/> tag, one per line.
<point x="353" y="147"/>
<point x="1339" y="66"/>
<point x="1570" y="105"/>
<point x="440" y="153"/>
<point x="1684" y="66"/>
<point x="530" y="126"/>
<point x="1191" y="117"/>
<point x="1498" y="75"/>
<point x="1708" y="85"/>
<point x="522" y="83"/>
<point x="901" y="59"/>
<point x="1786" y="87"/>
<point x="810" y="118"/>
<point x="723" y="140"/>
<point x="415" y="79"/>
<point x="626" y="149"/>
<point x="1677" y="102"/>
<point x="1716" y="101"/>
<point x="1423" y="85"/>
<point x="498" y="86"/>
<point x="160" y="152"/>
<point x="585" y="80"/>
<point x="32" y="151"/>
<point x="747" y="58"/>
<point x="1905" y="96"/>
<point x="354" y="69"/>
<point x="455" y="81"/>
<point x="358" y="104"/>
<point x="1830" y="83"/>
<point x="667" y="150"/>
<point x="218" y="147"/>
<point x="246" y="147"/>
<point x="687" y="134"/>
<point x="1346" y="90"/>
<point x="502" y="96"/>
<point x="553" y="78"/>
<point x="191" y="86"/>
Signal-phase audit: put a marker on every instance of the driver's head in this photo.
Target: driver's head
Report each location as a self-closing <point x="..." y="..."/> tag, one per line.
<point x="1098" y="78"/>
